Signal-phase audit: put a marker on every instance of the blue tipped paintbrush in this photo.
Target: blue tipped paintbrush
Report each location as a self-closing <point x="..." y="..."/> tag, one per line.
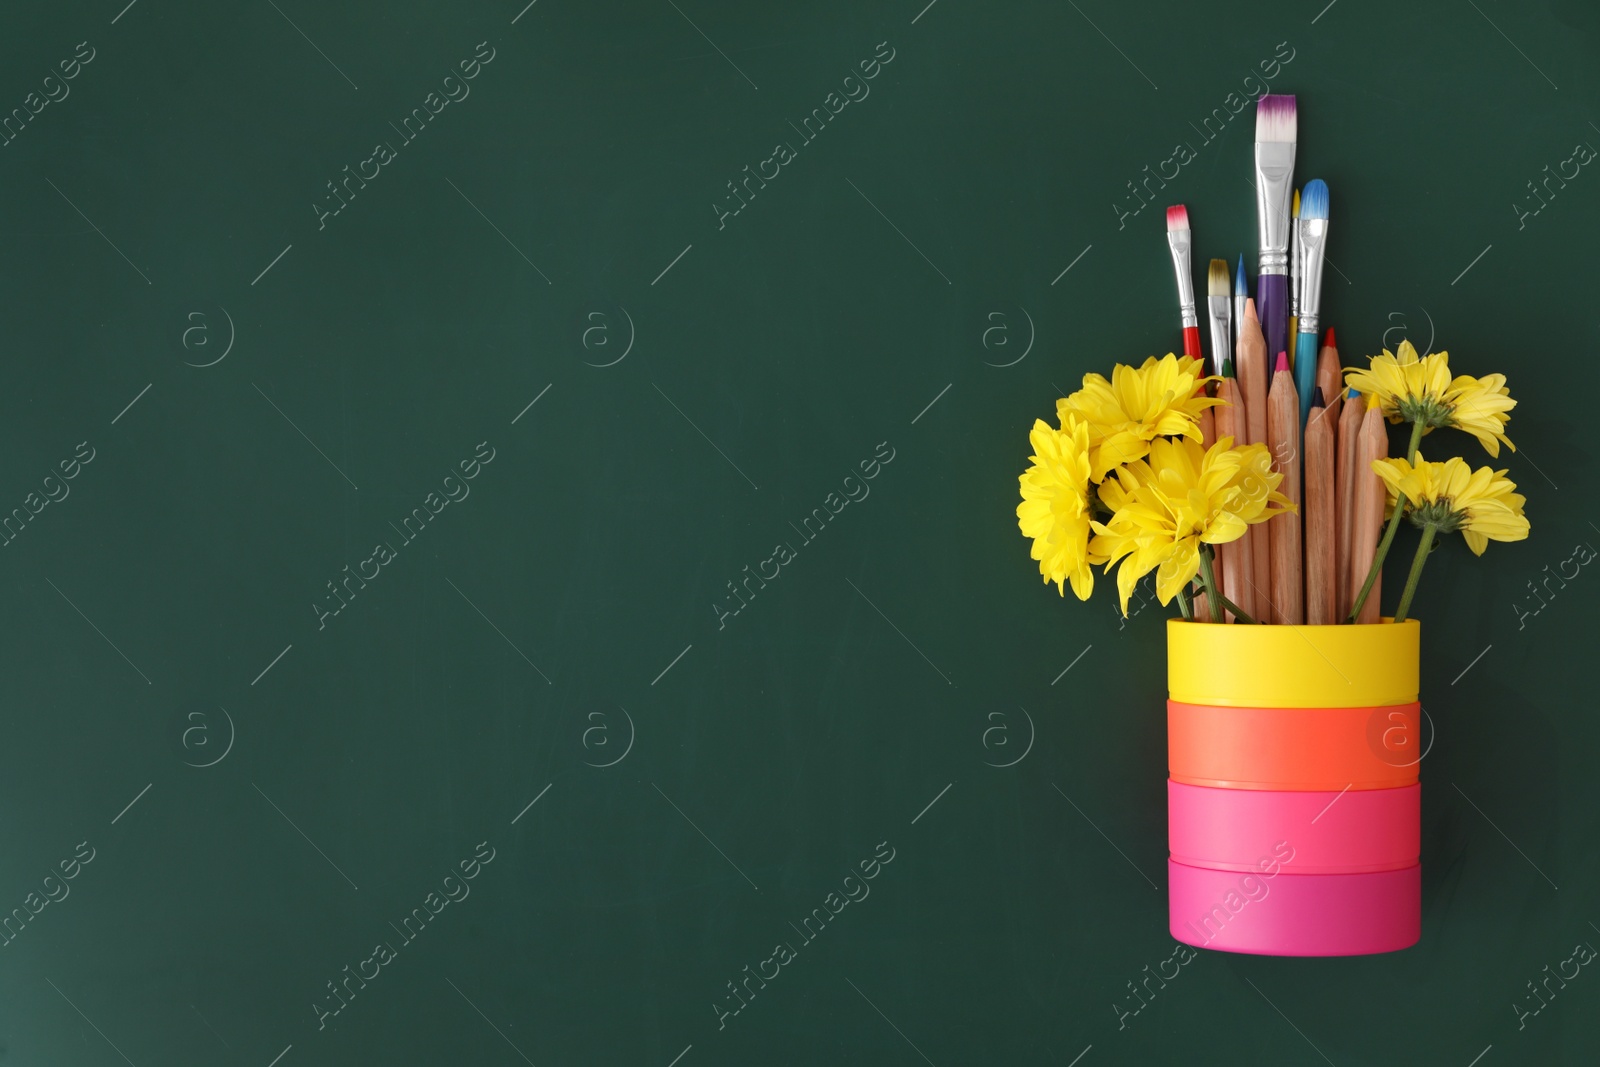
<point x="1313" y="242"/>
<point x="1240" y="295"/>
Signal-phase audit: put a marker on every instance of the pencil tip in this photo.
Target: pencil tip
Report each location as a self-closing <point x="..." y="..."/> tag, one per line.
<point x="1283" y="362"/>
<point x="1327" y="341"/>
<point x="1352" y="394"/>
<point x="1317" y="400"/>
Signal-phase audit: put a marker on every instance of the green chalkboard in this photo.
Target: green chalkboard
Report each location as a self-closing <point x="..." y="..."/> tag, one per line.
<point x="511" y="552"/>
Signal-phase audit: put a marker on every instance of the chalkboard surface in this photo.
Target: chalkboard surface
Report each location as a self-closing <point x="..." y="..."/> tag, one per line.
<point x="512" y="553"/>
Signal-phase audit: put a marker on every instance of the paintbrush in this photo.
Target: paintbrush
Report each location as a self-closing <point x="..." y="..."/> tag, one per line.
<point x="1218" y="313"/>
<point x="1294" y="269"/>
<point x="1313" y="243"/>
<point x="1178" y="240"/>
<point x="1221" y="310"/>
<point x="1275" y="142"/>
<point x="1241" y="293"/>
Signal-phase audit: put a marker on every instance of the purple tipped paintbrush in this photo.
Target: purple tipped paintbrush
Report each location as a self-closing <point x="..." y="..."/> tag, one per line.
<point x="1275" y="141"/>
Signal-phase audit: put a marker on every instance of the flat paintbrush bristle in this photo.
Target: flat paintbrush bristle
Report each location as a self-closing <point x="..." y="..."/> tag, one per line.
<point x="1177" y="218"/>
<point x="1217" y="278"/>
<point x="1275" y="118"/>
<point x="1314" y="202"/>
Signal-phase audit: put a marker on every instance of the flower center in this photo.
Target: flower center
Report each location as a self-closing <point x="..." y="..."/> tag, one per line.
<point x="1426" y="409"/>
<point x="1437" y="513"/>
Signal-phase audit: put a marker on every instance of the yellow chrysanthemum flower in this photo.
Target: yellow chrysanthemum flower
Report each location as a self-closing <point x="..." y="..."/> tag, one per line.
<point x="1055" y="505"/>
<point x="1409" y="388"/>
<point x="1483" y="504"/>
<point x="1420" y="389"/>
<point x="1136" y="406"/>
<point x="1184" y="495"/>
<point x="1479" y="406"/>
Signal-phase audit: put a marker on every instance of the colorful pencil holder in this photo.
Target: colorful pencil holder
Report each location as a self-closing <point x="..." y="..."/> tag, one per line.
<point x="1294" y="813"/>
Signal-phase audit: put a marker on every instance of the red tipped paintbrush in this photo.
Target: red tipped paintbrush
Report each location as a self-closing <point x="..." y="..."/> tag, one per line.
<point x="1178" y="240"/>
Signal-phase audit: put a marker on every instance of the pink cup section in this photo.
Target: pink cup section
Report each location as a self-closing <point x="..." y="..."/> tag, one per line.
<point x="1299" y="832"/>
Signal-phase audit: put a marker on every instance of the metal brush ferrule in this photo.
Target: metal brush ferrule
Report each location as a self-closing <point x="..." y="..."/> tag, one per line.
<point x="1274" y="191"/>
<point x="1221" y="308"/>
<point x="1313" y="243"/>
<point x="1296" y="259"/>
<point x="1178" y="241"/>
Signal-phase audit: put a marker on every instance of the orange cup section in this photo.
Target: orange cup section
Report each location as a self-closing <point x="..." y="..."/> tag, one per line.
<point x="1293" y="748"/>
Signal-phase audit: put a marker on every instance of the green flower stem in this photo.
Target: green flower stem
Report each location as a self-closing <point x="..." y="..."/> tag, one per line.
<point x="1416" y="571"/>
<point x="1416" y="440"/>
<point x="1388" y="535"/>
<point x="1377" y="560"/>
<point x="1183" y="604"/>
<point x="1238" y="612"/>
<point x="1214" y="592"/>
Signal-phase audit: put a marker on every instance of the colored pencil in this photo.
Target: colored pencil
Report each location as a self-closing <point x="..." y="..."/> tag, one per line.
<point x="1329" y="377"/>
<point x="1234" y="560"/>
<point x="1283" y="437"/>
<point x="1251" y="369"/>
<point x="1350" y="419"/>
<point x="1321" y="521"/>
<point x="1370" y="497"/>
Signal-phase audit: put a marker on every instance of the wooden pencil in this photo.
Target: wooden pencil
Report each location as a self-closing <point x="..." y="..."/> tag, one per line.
<point x="1367" y="524"/>
<point x="1283" y="437"/>
<point x="1208" y="437"/>
<point x="1233" y="560"/>
<point x="1349" y="439"/>
<point x="1329" y="379"/>
<point x="1251" y="372"/>
<point x="1321" y="522"/>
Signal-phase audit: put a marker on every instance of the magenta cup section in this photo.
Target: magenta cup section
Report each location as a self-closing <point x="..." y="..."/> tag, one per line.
<point x="1295" y="914"/>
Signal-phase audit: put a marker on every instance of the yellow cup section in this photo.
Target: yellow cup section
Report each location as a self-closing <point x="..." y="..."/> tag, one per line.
<point x="1243" y="666"/>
